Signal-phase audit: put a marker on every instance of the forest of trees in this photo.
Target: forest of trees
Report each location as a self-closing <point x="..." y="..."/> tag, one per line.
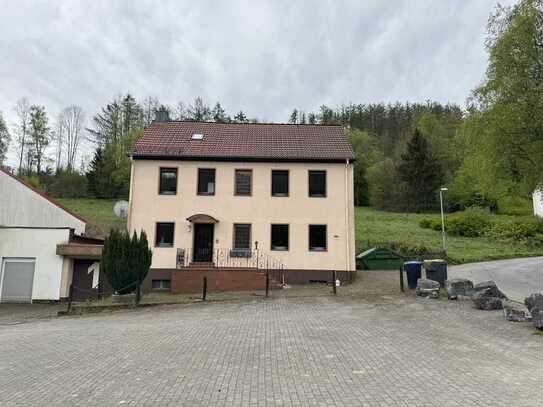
<point x="485" y="153"/>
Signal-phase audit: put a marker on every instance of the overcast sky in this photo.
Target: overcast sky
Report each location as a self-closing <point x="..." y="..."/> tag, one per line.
<point x="263" y="57"/>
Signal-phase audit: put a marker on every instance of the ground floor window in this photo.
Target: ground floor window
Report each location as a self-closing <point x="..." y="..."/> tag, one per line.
<point x="242" y="240"/>
<point x="317" y="238"/>
<point x="164" y="234"/>
<point x="279" y="237"/>
<point x="161" y="284"/>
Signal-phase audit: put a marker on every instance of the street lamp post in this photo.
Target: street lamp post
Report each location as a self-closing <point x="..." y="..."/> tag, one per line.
<point x="443" y="218"/>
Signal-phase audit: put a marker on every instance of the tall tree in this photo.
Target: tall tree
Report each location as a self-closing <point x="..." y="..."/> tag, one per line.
<point x="22" y="110"/>
<point x="149" y="107"/>
<point x="132" y="114"/>
<point x="58" y="137"/>
<point x="181" y="112"/>
<point x="199" y="111"/>
<point x="71" y="125"/>
<point x="219" y="114"/>
<point x="4" y="139"/>
<point x="39" y="134"/>
<point x="293" y="119"/>
<point x="421" y="173"/>
<point x="240" y="117"/>
<point x="510" y="100"/>
<point x="107" y="124"/>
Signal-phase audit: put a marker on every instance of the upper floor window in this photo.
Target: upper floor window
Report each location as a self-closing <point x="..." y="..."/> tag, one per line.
<point x="279" y="237"/>
<point x="243" y="182"/>
<point x="317" y="238"/>
<point x="164" y="234"/>
<point x="206" y="181"/>
<point x="317" y="184"/>
<point x="168" y="181"/>
<point x="279" y="182"/>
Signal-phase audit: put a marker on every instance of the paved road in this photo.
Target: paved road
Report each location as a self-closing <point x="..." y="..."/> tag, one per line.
<point x="518" y="278"/>
<point x="320" y="351"/>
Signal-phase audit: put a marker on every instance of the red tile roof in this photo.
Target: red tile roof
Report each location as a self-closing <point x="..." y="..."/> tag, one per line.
<point x="250" y="141"/>
<point x="42" y="194"/>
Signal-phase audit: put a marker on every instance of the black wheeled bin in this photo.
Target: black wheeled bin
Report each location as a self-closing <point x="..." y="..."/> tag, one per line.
<point x="413" y="269"/>
<point x="436" y="270"/>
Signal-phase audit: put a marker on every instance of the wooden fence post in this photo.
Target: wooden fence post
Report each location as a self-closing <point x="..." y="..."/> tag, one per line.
<point x="334" y="278"/>
<point x="267" y="283"/>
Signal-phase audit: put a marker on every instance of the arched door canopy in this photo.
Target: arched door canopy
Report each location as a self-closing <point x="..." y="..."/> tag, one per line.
<point x="202" y="218"/>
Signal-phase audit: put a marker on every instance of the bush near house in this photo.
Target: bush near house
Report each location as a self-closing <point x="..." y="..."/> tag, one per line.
<point x="125" y="261"/>
<point x="477" y="222"/>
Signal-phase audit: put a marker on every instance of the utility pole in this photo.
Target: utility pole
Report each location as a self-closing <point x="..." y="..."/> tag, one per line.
<point x="443" y="219"/>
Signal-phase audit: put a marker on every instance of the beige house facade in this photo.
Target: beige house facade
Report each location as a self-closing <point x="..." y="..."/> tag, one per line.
<point x="207" y="192"/>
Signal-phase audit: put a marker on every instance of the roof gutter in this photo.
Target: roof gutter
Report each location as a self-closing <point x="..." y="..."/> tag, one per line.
<point x="340" y="160"/>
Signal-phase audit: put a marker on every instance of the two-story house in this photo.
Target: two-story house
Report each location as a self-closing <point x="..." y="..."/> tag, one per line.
<point x="214" y="194"/>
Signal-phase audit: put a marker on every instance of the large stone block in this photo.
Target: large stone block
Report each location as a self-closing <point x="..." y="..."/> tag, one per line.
<point x="537" y="317"/>
<point x="458" y="288"/>
<point x="489" y="285"/>
<point x="516" y="312"/>
<point x="486" y="299"/>
<point x="534" y="301"/>
<point x="427" y="288"/>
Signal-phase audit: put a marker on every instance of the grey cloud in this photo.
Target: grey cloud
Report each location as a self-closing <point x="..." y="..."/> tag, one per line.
<point x="264" y="57"/>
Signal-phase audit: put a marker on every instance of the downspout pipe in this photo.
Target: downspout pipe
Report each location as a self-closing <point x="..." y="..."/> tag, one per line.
<point x="347" y="234"/>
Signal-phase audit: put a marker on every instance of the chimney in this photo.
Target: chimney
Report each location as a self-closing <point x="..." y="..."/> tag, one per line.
<point x="162" y="115"/>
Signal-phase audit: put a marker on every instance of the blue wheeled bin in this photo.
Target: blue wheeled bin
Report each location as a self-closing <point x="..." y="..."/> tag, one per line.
<point x="413" y="269"/>
<point x="436" y="270"/>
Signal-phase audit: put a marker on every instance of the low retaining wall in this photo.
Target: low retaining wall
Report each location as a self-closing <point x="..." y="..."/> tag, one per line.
<point x="191" y="281"/>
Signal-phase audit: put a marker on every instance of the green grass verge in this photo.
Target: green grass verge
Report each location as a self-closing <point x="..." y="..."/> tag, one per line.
<point x="376" y="225"/>
<point x="98" y="212"/>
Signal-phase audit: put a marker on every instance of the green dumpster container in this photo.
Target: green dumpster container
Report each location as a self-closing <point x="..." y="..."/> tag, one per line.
<point x="380" y="258"/>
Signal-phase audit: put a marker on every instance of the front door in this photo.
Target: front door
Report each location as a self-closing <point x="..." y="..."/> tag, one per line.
<point x="82" y="281"/>
<point x="203" y="242"/>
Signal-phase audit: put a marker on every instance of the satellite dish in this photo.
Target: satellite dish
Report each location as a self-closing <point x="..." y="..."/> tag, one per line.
<point x="121" y="209"/>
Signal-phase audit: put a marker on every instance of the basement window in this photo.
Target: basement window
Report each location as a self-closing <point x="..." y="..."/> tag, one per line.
<point x="161" y="284"/>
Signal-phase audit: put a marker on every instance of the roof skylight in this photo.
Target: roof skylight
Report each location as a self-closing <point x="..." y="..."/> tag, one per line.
<point x="197" y="136"/>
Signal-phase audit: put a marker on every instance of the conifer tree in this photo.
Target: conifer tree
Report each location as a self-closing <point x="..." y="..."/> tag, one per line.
<point x="422" y="174"/>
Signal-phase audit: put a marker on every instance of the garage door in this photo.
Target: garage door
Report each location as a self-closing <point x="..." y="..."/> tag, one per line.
<point x="17" y="280"/>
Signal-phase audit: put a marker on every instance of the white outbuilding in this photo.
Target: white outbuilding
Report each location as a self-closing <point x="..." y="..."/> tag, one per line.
<point x="537" y="198"/>
<point x="40" y="243"/>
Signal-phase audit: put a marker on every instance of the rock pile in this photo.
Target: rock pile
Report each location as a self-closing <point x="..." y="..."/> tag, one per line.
<point x="534" y="303"/>
<point x="516" y="312"/>
<point x="487" y="296"/>
<point x="427" y="288"/>
<point x="459" y="288"/>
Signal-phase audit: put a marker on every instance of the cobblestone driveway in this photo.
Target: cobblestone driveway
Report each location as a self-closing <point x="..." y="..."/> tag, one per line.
<point x="320" y="351"/>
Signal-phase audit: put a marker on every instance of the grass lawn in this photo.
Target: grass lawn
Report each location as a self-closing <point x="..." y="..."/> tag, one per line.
<point x="98" y="212"/>
<point x="381" y="226"/>
<point x="372" y="225"/>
